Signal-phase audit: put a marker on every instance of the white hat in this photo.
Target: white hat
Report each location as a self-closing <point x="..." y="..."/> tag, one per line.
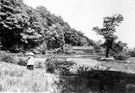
<point x="30" y="54"/>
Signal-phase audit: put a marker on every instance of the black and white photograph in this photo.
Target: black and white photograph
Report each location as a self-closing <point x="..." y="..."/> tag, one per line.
<point x="67" y="46"/>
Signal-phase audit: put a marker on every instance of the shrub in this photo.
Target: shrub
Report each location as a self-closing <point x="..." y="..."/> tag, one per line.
<point x="82" y="69"/>
<point x="40" y="50"/>
<point x="67" y="49"/>
<point x="8" y="58"/>
<point x="63" y="66"/>
<point x="22" y="62"/>
<point x="58" y="51"/>
<point x="13" y="59"/>
<point x="132" y="54"/>
<point x="121" y="56"/>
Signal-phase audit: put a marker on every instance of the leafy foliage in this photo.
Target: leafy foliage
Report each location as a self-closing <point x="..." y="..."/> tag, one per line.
<point x="118" y="47"/>
<point x="24" y="28"/>
<point x="109" y="27"/>
<point x="132" y="54"/>
<point x="67" y="49"/>
<point x="22" y="62"/>
<point x="17" y="32"/>
<point x="63" y="66"/>
<point x="121" y="56"/>
<point x="13" y="59"/>
<point x="8" y="58"/>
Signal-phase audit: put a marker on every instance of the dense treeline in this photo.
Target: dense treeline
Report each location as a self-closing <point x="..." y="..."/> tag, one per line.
<point x="24" y="28"/>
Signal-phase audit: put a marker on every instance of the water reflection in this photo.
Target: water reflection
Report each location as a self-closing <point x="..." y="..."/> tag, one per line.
<point x="98" y="81"/>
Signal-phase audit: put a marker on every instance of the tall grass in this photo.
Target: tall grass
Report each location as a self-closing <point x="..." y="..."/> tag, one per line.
<point x="15" y="78"/>
<point x="5" y="57"/>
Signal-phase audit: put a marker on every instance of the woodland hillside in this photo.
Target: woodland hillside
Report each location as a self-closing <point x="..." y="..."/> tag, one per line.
<point x="23" y="28"/>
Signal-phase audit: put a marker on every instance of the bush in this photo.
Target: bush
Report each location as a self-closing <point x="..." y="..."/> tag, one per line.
<point x="132" y="54"/>
<point x="63" y="66"/>
<point x="82" y="71"/>
<point x="22" y="62"/>
<point x="67" y="49"/>
<point x="58" y="51"/>
<point x="13" y="59"/>
<point x="8" y="58"/>
<point x="121" y="56"/>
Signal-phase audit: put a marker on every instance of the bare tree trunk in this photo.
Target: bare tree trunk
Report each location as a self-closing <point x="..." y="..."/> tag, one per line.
<point x="107" y="52"/>
<point x="62" y="50"/>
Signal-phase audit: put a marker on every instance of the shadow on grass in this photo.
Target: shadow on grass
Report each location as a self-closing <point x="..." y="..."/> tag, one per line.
<point x="98" y="81"/>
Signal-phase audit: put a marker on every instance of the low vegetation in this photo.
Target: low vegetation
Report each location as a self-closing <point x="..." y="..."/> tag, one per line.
<point x="13" y="59"/>
<point x="132" y="53"/>
<point x="16" y="78"/>
<point x="121" y="56"/>
<point x="98" y="81"/>
<point x="62" y="66"/>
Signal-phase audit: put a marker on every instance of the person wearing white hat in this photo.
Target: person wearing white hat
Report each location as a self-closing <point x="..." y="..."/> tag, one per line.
<point x="30" y="63"/>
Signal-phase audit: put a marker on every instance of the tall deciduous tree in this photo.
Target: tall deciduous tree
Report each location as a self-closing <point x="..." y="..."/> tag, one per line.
<point x="109" y="27"/>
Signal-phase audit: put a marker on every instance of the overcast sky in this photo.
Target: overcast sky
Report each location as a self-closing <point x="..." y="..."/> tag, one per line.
<point x="85" y="14"/>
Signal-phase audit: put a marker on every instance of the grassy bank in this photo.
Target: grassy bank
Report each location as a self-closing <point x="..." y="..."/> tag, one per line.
<point x="14" y="78"/>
